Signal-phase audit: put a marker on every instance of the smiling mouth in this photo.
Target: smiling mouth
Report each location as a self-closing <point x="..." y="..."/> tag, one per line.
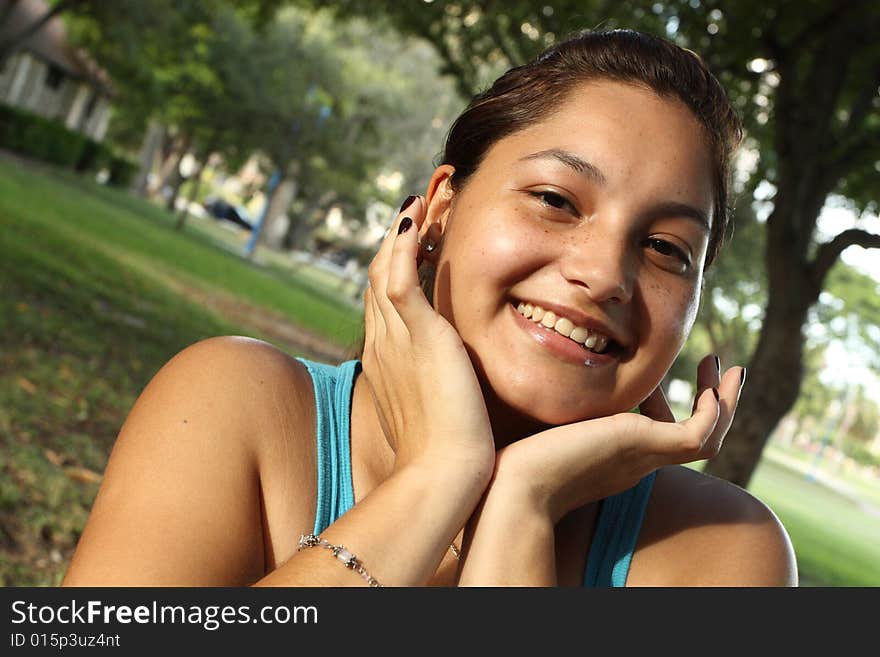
<point x="590" y="340"/>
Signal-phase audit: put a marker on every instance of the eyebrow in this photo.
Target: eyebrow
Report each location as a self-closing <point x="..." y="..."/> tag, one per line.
<point x="675" y="209"/>
<point x="572" y="161"/>
<point x="592" y="172"/>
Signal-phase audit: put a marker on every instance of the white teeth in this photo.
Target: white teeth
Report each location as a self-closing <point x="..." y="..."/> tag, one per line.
<point x="564" y="326"/>
<point x="592" y="340"/>
<point x="579" y="334"/>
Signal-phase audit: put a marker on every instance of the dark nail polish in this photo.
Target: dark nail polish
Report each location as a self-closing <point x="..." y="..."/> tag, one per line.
<point x="717" y="364"/>
<point x="715" y="392"/>
<point x="742" y="379"/>
<point x="405" y="225"/>
<point x="406" y="203"/>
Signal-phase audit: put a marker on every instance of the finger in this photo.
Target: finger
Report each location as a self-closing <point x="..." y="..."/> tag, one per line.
<point x="729" y="390"/>
<point x="404" y="290"/>
<point x="708" y="376"/>
<point x="687" y="438"/>
<point x="369" y="319"/>
<point x="378" y="270"/>
<point x="656" y="407"/>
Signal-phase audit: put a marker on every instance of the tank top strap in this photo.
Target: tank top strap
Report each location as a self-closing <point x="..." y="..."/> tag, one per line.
<point x="617" y="531"/>
<point x="333" y="387"/>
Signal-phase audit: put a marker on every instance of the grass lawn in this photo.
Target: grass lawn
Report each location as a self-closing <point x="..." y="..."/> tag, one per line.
<point x="836" y="540"/>
<point x="99" y="291"/>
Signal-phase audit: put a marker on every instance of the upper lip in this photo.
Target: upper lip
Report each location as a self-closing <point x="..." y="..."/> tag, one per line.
<point x="579" y="318"/>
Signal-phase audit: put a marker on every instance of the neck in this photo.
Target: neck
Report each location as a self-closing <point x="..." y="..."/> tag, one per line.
<point x="508" y="423"/>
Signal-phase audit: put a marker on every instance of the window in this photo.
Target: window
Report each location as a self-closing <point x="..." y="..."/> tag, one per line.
<point x="54" y="77"/>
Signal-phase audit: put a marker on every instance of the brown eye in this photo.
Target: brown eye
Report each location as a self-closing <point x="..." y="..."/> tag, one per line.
<point x="554" y="200"/>
<point x="669" y="250"/>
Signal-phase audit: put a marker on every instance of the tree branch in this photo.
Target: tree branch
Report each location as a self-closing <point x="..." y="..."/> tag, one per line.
<point x="854" y="154"/>
<point x="492" y="16"/>
<point x="825" y="22"/>
<point x="861" y="107"/>
<point x="829" y="252"/>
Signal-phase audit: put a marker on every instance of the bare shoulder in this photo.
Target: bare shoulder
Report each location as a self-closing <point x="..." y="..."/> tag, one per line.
<point x="703" y="531"/>
<point x="193" y="480"/>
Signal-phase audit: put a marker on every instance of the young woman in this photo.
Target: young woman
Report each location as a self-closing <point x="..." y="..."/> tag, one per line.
<point x="517" y="313"/>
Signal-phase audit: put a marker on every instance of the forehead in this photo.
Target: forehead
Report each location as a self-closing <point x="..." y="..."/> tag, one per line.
<point x="640" y="141"/>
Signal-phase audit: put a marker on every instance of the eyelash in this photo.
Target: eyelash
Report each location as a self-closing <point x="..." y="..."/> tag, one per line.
<point x="542" y="196"/>
<point x="564" y="204"/>
<point x="677" y="253"/>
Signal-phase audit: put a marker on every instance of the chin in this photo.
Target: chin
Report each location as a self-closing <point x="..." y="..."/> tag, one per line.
<point x="538" y="408"/>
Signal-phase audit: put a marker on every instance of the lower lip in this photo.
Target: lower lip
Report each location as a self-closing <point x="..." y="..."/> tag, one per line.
<point x="560" y="346"/>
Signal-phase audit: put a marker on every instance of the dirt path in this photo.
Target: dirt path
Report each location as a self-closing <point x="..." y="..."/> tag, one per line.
<point x="276" y="328"/>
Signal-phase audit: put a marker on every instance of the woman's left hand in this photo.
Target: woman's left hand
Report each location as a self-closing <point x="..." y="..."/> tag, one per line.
<point x="563" y="468"/>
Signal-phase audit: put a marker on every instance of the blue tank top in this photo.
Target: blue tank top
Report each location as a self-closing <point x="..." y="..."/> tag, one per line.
<point x="617" y="526"/>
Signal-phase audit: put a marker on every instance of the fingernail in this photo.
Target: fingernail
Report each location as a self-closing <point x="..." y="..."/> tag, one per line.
<point x="715" y="392"/>
<point x="742" y="379"/>
<point x="407" y="202"/>
<point x="405" y="225"/>
<point x="718" y="365"/>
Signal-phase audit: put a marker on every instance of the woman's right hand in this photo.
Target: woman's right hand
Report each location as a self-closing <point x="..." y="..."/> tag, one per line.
<point x="423" y="383"/>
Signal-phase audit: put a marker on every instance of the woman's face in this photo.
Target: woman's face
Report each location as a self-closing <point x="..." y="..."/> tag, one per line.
<point x="600" y="213"/>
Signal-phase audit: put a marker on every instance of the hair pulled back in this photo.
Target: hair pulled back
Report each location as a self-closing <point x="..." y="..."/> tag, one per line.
<point x="527" y="94"/>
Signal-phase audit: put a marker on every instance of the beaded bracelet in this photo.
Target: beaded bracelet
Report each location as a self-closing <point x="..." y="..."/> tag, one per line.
<point x="339" y="551"/>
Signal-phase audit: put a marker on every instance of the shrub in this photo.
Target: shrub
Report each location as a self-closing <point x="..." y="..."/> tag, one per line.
<point x="122" y="171"/>
<point x="94" y="156"/>
<point x="40" y="138"/>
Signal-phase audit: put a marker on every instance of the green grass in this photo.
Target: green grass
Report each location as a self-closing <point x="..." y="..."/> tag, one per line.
<point x="837" y="542"/>
<point x="97" y="294"/>
<point x="101" y="218"/>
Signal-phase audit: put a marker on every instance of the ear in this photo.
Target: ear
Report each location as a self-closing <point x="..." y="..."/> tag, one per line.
<point x="438" y="199"/>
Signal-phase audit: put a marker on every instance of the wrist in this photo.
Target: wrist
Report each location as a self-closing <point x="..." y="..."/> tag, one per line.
<point x="459" y="481"/>
<point x="464" y="470"/>
<point x="523" y="489"/>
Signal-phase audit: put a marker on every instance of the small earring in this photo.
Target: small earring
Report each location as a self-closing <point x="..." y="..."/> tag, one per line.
<point x="429" y="245"/>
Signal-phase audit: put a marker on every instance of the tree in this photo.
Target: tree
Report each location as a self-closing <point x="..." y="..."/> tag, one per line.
<point x="804" y="76"/>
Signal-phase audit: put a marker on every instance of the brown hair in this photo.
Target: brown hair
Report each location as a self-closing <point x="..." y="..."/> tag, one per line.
<point x="527" y="94"/>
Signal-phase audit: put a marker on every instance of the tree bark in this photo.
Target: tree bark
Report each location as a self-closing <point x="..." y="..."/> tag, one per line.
<point x="272" y="233"/>
<point x="775" y="370"/>
<point x="151" y="146"/>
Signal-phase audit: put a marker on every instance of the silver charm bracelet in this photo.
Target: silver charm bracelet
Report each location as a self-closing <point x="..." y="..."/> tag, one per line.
<point x="345" y="556"/>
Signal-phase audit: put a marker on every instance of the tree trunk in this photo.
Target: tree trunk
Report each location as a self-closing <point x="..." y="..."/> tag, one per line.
<point x="173" y="150"/>
<point x="277" y="220"/>
<point x="175" y="180"/>
<point x="149" y="150"/>
<point x="306" y="221"/>
<point x="775" y="370"/>
<point x="191" y="197"/>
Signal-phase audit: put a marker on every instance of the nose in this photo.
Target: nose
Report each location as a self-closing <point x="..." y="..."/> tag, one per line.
<point x="603" y="266"/>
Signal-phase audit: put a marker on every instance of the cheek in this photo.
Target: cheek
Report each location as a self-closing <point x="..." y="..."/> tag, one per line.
<point x="673" y="311"/>
<point x="500" y="244"/>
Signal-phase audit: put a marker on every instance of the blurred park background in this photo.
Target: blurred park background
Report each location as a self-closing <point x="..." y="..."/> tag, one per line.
<point x="176" y="169"/>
